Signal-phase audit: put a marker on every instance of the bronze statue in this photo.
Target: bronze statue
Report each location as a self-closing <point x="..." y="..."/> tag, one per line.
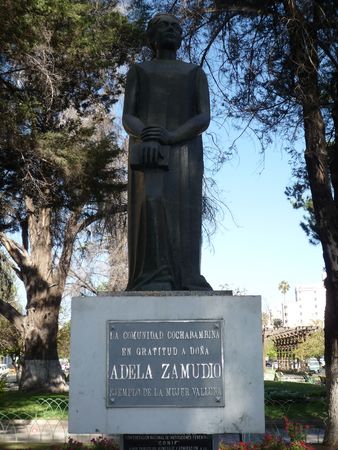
<point x="166" y="109"/>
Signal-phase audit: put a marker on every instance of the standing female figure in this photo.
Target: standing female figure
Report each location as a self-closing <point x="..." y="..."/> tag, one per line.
<point x="166" y="109"/>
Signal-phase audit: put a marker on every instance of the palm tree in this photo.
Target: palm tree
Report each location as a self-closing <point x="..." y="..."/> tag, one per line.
<point x="283" y="287"/>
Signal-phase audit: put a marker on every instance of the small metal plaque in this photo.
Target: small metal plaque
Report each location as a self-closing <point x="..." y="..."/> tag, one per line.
<point x="175" y="363"/>
<point x="167" y="442"/>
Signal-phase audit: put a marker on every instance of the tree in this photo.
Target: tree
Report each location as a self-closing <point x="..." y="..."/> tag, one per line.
<point x="59" y="79"/>
<point x="11" y="342"/>
<point x="277" y="323"/>
<point x="274" y="65"/>
<point x="64" y="341"/>
<point x="283" y="287"/>
<point x="106" y="257"/>
<point x="266" y="319"/>
<point x="270" y="349"/>
<point x="106" y="267"/>
<point x="312" y="347"/>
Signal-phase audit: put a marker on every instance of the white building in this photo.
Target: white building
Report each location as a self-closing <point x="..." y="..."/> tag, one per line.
<point x="307" y="307"/>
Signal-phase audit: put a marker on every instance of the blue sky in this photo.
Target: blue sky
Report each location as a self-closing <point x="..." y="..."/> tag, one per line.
<point x="264" y="244"/>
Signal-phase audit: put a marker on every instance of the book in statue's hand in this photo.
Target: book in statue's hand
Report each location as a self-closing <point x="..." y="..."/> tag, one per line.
<point x="149" y="155"/>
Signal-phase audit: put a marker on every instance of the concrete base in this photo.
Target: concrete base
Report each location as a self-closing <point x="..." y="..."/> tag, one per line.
<point x="243" y="411"/>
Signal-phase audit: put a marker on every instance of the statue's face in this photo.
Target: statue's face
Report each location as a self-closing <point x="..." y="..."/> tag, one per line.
<point x="168" y="34"/>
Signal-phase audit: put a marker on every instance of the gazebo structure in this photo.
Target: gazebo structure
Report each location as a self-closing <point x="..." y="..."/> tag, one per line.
<point x="286" y="340"/>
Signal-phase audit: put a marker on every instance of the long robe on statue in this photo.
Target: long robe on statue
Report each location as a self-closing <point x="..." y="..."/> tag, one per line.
<point x="165" y="203"/>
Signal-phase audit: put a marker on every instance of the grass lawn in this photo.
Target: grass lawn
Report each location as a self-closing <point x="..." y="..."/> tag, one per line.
<point x="301" y="401"/>
<point x="46" y="446"/>
<point x="298" y="401"/>
<point x="18" y="405"/>
<point x="29" y="445"/>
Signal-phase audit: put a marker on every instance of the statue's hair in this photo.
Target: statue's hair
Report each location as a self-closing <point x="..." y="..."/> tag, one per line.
<point x="152" y="26"/>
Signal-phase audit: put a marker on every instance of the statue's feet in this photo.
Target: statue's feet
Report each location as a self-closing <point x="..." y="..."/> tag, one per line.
<point x="161" y="280"/>
<point x="198" y="283"/>
<point x="156" y="286"/>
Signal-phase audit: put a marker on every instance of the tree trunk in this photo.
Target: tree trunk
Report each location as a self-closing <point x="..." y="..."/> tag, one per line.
<point x="44" y="282"/>
<point x="326" y="213"/>
<point x="331" y="362"/>
<point x="41" y="369"/>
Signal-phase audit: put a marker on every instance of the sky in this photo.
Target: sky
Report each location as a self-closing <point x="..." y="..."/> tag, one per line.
<point x="263" y="243"/>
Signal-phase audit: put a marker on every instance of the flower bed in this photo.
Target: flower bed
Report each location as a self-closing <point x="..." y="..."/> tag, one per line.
<point x="296" y="440"/>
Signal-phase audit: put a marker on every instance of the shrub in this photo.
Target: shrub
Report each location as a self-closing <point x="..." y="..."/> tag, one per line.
<point x="3" y="381"/>
<point x="270" y="442"/>
<point x="102" y="443"/>
<point x="295" y="431"/>
<point x="73" y="445"/>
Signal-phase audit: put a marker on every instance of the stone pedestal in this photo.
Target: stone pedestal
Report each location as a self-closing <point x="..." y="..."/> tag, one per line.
<point x="173" y="363"/>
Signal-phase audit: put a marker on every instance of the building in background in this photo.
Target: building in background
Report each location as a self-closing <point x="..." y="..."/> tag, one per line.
<point x="307" y="307"/>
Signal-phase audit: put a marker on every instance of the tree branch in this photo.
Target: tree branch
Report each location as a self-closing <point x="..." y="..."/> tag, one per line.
<point x="12" y="315"/>
<point x="242" y="7"/>
<point x="73" y="228"/>
<point x="84" y="283"/>
<point x="172" y="6"/>
<point x="16" y="251"/>
<point x="212" y="39"/>
<point x="10" y="86"/>
<point x="328" y="53"/>
<point x="15" y="269"/>
<point x="100" y="215"/>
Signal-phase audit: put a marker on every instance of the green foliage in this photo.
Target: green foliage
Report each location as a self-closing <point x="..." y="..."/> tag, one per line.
<point x="270" y="349"/>
<point x="299" y="195"/>
<point x="7" y="286"/>
<point x="11" y="341"/>
<point x="64" y="341"/>
<point x="3" y="382"/>
<point x="60" y="75"/>
<point x="277" y="323"/>
<point x="62" y="65"/>
<point x="269" y="442"/>
<point x="312" y="347"/>
<point x="284" y="287"/>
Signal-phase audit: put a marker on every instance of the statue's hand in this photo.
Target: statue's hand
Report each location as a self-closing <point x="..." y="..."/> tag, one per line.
<point x="151" y="153"/>
<point x="157" y="134"/>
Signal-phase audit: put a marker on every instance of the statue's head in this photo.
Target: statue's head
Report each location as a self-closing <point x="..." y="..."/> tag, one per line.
<point x="164" y="31"/>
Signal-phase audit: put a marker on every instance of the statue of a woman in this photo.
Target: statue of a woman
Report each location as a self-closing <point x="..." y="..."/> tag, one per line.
<point x="166" y="109"/>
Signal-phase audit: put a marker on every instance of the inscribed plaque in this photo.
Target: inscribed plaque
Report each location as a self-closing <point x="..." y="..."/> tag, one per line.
<point x="167" y="442"/>
<point x="165" y="363"/>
